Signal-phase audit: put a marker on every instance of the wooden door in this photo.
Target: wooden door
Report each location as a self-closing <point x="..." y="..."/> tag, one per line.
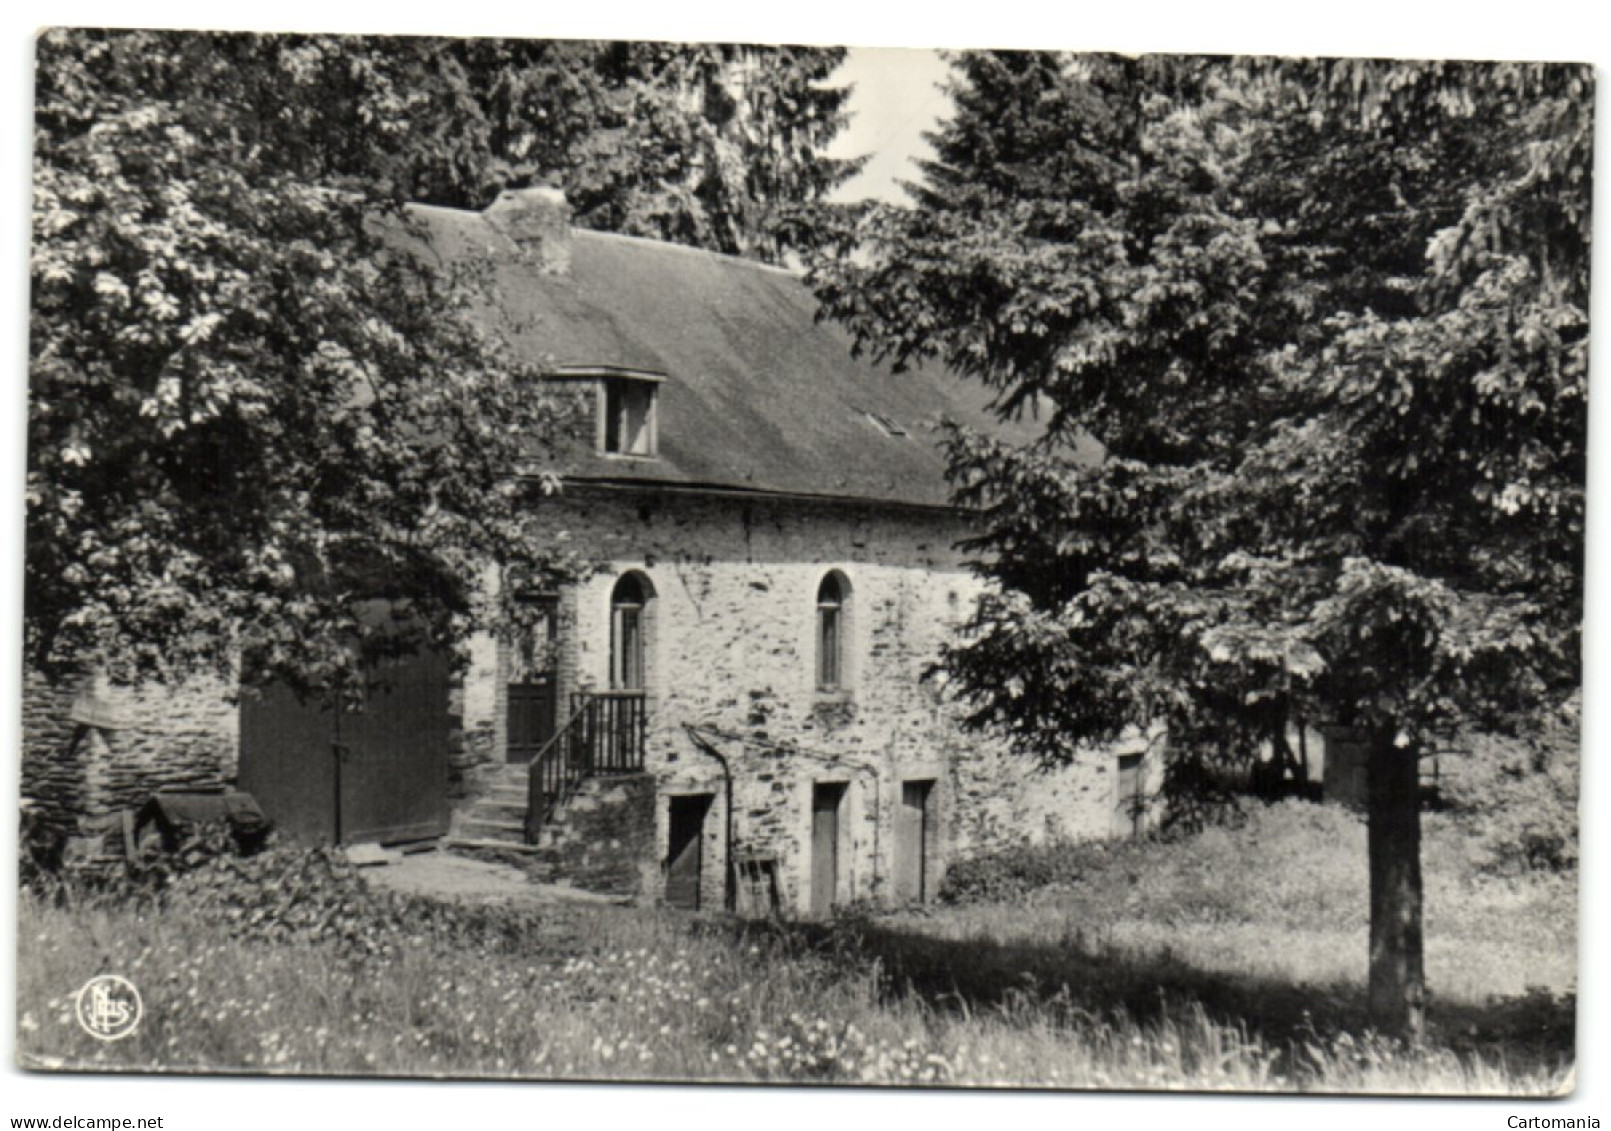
<point x="826" y="801"/>
<point x="393" y="765"/>
<point x="912" y="842"/>
<point x="288" y="761"/>
<point x="686" y="854"/>
<point x="326" y="775"/>
<point x="533" y="691"/>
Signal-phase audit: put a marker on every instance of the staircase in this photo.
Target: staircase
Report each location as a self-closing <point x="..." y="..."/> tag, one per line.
<point x="515" y="805"/>
<point x="495" y="818"/>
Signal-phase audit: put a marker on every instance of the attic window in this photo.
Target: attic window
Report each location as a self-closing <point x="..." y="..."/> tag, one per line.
<point x="885" y="425"/>
<point x="628" y="416"/>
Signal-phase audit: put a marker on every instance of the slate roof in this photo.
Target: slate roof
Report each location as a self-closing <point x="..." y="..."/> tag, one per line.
<point x="757" y="395"/>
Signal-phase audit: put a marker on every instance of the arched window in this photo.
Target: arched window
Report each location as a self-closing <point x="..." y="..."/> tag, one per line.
<point x="629" y="606"/>
<point x="833" y="607"/>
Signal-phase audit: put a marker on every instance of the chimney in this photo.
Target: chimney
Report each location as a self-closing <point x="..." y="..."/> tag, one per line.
<point x="538" y="219"/>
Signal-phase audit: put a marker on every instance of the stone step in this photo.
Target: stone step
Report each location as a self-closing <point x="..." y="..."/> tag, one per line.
<point x="477" y="844"/>
<point x="498" y="807"/>
<point x="493" y="824"/>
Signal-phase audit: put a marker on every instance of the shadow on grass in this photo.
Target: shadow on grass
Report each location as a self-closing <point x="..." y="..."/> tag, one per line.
<point x="1075" y="975"/>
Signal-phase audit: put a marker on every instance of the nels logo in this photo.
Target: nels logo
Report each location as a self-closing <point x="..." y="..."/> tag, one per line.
<point x="109" y="1007"/>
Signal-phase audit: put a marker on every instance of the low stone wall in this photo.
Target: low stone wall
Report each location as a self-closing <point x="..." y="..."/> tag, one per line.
<point x="603" y="838"/>
<point x="184" y="736"/>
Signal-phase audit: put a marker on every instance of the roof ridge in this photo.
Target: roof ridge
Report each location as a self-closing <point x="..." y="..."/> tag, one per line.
<point x="621" y="237"/>
<point x="650" y="241"/>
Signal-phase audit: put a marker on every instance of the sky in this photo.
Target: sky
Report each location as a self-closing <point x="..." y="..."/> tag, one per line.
<point x="895" y="100"/>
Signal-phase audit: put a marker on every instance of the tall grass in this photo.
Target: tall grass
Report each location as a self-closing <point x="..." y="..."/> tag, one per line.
<point x="610" y="993"/>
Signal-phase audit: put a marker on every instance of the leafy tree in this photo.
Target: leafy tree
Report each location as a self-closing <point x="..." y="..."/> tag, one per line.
<point x="250" y="403"/>
<point x="1327" y="322"/>
<point x="249" y="400"/>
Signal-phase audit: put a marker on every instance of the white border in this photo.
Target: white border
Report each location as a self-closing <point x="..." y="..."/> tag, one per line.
<point x="1547" y="29"/>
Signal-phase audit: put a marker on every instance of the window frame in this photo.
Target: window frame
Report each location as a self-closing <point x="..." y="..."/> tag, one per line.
<point x="629" y="625"/>
<point x="831" y="666"/>
<point x="614" y="394"/>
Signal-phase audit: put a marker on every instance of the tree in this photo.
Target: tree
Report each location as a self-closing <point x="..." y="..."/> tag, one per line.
<point x="1328" y="323"/>
<point x="700" y="144"/>
<point x="250" y="403"/>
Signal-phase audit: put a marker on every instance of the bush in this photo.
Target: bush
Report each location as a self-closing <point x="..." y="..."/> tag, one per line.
<point x="51" y="871"/>
<point x="1021" y="870"/>
<point x="315" y="896"/>
<point x="1517" y="797"/>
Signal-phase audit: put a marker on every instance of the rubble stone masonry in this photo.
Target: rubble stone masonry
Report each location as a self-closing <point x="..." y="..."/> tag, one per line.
<point x="730" y="643"/>
<point x="731" y="637"/>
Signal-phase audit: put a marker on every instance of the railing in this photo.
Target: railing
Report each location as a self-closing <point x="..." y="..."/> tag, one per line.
<point x="614" y="726"/>
<point x="603" y="735"/>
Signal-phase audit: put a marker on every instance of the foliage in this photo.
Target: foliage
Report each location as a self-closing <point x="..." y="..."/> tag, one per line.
<point x="701" y="144"/>
<point x="299" y="896"/>
<point x="1014" y="873"/>
<point x="1327" y="322"/>
<point x="249" y="408"/>
<point x="51" y="869"/>
<point x="1291" y="864"/>
<point x="1518" y="801"/>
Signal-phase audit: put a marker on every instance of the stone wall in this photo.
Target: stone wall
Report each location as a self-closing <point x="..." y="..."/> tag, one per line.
<point x="731" y="639"/>
<point x="603" y="843"/>
<point x="165" y="738"/>
<point x="730" y="643"/>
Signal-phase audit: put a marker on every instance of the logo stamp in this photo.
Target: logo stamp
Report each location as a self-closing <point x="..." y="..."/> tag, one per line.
<point x="109" y="1007"/>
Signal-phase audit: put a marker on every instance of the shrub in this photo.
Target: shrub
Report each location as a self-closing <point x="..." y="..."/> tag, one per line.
<point x="1018" y="871"/>
<point x="53" y="873"/>
<point x="315" y="896"/>
<point x="1517" y="797"/>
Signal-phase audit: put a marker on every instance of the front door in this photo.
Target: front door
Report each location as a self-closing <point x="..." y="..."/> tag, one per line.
<point x="826" y="801"/>
<point x="533" y="698"/>
<point x="685" y="857"/>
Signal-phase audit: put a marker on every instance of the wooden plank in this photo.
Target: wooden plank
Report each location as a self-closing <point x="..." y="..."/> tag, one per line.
<point x="1128" y="814"/>
<point x="394" y="774"/>
<point x="287" y="763"/>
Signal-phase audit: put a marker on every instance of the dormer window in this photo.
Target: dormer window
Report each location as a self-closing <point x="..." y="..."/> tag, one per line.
<point x="627" y="416"/>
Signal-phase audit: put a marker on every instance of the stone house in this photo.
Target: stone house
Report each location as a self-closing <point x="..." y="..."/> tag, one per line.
<point x="736" y="705"/>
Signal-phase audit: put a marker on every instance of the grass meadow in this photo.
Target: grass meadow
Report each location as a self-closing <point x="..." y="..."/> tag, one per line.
<point x="1234" y="960"/>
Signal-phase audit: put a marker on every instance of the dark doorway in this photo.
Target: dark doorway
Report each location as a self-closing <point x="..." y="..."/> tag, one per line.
<point x="1130" y="807"/>
<point x="533" y="688"/>
<point x="685" y="857"/>
<point x="912" y="829"/>
<point x="827" y="799"/>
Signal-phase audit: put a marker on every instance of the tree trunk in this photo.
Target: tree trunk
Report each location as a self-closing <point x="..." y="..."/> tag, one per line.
<point x="1397" y="973"/>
